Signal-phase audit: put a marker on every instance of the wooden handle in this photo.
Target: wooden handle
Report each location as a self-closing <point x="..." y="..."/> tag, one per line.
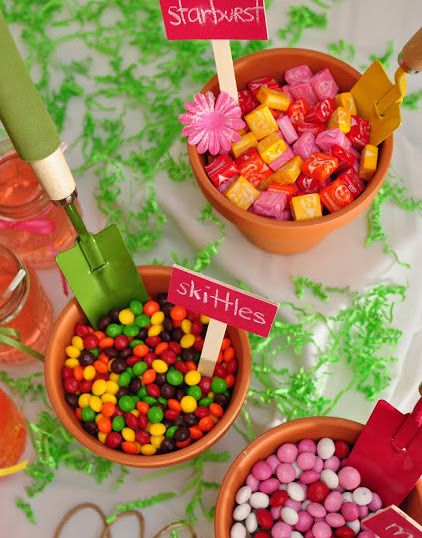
<point x="225" y="68"/>
<point x="211" y="348"/>
<point x="55" y="176"/>
<point x="411" y="56"/>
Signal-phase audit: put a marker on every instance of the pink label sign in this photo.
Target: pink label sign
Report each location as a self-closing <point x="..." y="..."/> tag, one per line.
<point x="216" y="300"/>
<point x="392" y="521"/>
<point x="214" y="19"/>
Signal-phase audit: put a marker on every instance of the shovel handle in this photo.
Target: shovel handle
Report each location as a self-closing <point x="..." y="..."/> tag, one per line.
<point x="28" y="123"/>
<point x="410" y="58"/>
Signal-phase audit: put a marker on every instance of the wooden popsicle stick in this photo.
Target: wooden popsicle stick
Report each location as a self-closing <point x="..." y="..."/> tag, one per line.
<point x="225" y="68"/>
<point x="212" y="345"/>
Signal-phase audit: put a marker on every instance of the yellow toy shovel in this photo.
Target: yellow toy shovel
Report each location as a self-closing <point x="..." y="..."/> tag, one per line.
<point x="378" y="99"/>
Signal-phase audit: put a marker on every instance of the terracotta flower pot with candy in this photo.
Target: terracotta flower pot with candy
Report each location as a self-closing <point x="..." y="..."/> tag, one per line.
<point x="283" y="236"/>
<point x="65" y="395"/>
<point x="316" y="428"/>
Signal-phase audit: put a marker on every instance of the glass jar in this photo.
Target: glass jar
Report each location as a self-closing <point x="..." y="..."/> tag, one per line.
<point x="12" y="432"/>
<point x="30" y="224"/>
<point x="25" y="308"/>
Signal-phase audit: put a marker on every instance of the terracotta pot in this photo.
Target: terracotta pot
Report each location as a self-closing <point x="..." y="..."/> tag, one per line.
<point x="12" y="432"/>
<point x="156" y="280"/>
<point x="268" y="443"/>
<point x="268" y="234"/>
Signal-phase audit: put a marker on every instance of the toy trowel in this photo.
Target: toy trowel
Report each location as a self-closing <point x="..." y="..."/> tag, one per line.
<point x="99" y="269"/>
<point x="388" y="452"/>
<point x="378" y="99"/>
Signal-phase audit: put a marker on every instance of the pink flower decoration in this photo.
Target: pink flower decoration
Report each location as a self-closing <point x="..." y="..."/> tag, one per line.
<point x="212" y="124"/>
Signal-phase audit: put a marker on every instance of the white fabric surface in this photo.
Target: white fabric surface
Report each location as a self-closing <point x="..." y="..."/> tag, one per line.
<point x="339" y="260"/>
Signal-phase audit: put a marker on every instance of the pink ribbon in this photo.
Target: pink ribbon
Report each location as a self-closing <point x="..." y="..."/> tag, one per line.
<point x="36" y="226"/>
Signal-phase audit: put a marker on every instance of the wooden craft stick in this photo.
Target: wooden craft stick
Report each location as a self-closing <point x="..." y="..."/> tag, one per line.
<point x="212" y="345"/>
<point x="225" y="67"/>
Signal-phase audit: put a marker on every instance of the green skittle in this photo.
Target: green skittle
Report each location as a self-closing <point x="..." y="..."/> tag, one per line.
<point x="99" y="269"/>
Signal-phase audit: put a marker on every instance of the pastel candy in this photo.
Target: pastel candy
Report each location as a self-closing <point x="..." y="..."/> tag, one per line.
<point x="242" y="194"/>
<point x="305" y="145"/>
<point x="305" y="91"/>
<point x="283" y="159"/>
<point x="300" y="73"/>
<point x="332" y="137"/>
<point x="287" y="129"/>
<point x="285" y="215"/>
<point x="324" y="85"/>
<point x="306" y="207"/>
<point x="285" y="90"/>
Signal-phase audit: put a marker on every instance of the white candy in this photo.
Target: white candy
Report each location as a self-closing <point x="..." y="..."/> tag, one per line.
<point x="326" y="448"/>
<point x="296" y="491"/>
<point x="347" y="497"/>
<point x="296" y="468"/>
<point x="238" y="531"/>
<point x="241" y="512"/>
<point x="283" y="487"/>
<point x="296" y="534"/>
<point x="259" y="500"/>
<point x="354" y="525"/>
<point x="251" y="523"/>
<point x="243" y="495"/>
<point x="362" y="496"/>
<point x="330" y="478"/>
<point x="289" y="516"/>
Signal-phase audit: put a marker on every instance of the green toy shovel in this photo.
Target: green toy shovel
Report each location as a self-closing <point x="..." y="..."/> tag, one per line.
<point x="99" y="269"/>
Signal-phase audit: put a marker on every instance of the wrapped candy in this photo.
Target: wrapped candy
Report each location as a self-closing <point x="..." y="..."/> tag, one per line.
<point x="314" y="128"/>
<point x="283" y="159"/>
<point x="321" y="112"/>
<point x="242" y="193"/>
<point x="271" y="148"/>
<point x="246" y="102"/>
<point x="287" y="129"/>
<point x="347" y="101"/>
<point x="289" y="172"/>
<point x="261" y="122"/>
<point x="300" y="73"/>
<point x="359" y="133"/>
<point x="298" y="110"/>
<point x="271" y="204"/>
<point x="340" y="119"/>
<point x="274" y="99"/>
<point x="252" y="167"/>
<point x="320" y="166"/>
<point x="304" y="91"/>
<point x="285" y="90"/>
<point x="310" y="185"/>
<point x="353" y="182"/>
<point x="306" y="207"/>
<point x="327" y="139"/>
<point x="346" y="159"/>
<point x="289" y="188"/>
<point x="324" y="85"/>
<point x="305" y="145"/>
<point x="336" y="196"/>
<point x="247" y="141"/>
<point x="368" y="162"/>
<point x="268" y="82"/>
<point x="221" y="170"/>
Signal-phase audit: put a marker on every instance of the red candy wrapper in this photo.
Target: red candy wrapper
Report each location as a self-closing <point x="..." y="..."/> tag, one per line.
<point x="335" y="196"/>
<point x="289" y="188"/>
<point x="267" y="82"/>
<point x="320" y="166"/>
<point x="309" y="185"/>
<point x="353" y="182"/>
<point x="345" y="159"/>
<point x="247" y="102"/>
<point x="276" y="113"/>
<point x="221" y="170"/>
<point x="252" y="167"/>
<point x="359" y="132"/>
<point x="297" y="111"/>
<point x="321" y="112"/>
<point x="315" y="128"/>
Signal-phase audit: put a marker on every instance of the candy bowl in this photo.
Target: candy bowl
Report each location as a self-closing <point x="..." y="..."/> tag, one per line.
<point x="276" y="235"/>
<point x="234" y="498"/>
<point x="122" y="402"/>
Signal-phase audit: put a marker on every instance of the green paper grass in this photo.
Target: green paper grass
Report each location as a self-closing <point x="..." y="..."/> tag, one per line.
<point x="343" y="50"/>
<point x="27" y="388"/>
<point x="301" y="17"/>
<point x="412" y="101"/>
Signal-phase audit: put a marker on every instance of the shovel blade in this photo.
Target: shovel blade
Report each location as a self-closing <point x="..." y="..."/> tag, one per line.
<point x="113" y="285"/>
<point x="368" y="91"/>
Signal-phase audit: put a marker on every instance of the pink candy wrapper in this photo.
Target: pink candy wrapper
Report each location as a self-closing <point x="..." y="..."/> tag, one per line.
<point x="271" y="204"/>
<point x="304" y="91"/>
<point x="326" y="139"/>
<point x="324" y="85"/>
<point x="305" y="145"/>
<point x="283" y="159"/>
<point x="300" y="73"/>
<point x="287" y="129"/>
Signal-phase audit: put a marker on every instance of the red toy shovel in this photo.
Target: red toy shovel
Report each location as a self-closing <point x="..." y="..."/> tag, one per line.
<point x="388" y="452"/>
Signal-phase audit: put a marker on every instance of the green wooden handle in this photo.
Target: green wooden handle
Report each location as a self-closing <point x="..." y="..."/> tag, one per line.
<point x="22" y="111"/>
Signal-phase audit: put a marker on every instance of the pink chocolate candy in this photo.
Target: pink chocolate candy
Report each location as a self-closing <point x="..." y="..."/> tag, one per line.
<point x="287" y="129"/>
<point x="306" y="461"/>
<point x="350" y="511"/>
<point x="285" y="473"/>
<point x="304" y="91"/>
<point x="275" y="512"/>
<point x="322" y="530"/>
<point x="296" y="505"/>
<point x="283" y="159"/>
<point x="287" y="453"/>
<point x="331" y="137"/>
<point x="252" y="482"/>
<point x="270" y="204"/>
<point x="309" y="476"/>
<point x="305" y="146"/>
<point x="281" y="530"/>
<point x="349" y="478"/>
<point x="262" y="470"/>
<point x="324" y="84"/>
<point x="273" y="461"/>
<point x="300" y="73"/>
<point x="269" y="486"/>
<point x="319" y="464"/>
<point x="305" y="521"/>
<point x="308" y="534"/>
<point x="335" y="520"/>
<point x="316" y="510"/>
<point x="376" y="502"/>
<point x="366" y="534"/>
<point x="332" y="463"/>
<point x="307" y="445"/>
<point x="333" y="501"/>
<point x="363" y="511"/>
